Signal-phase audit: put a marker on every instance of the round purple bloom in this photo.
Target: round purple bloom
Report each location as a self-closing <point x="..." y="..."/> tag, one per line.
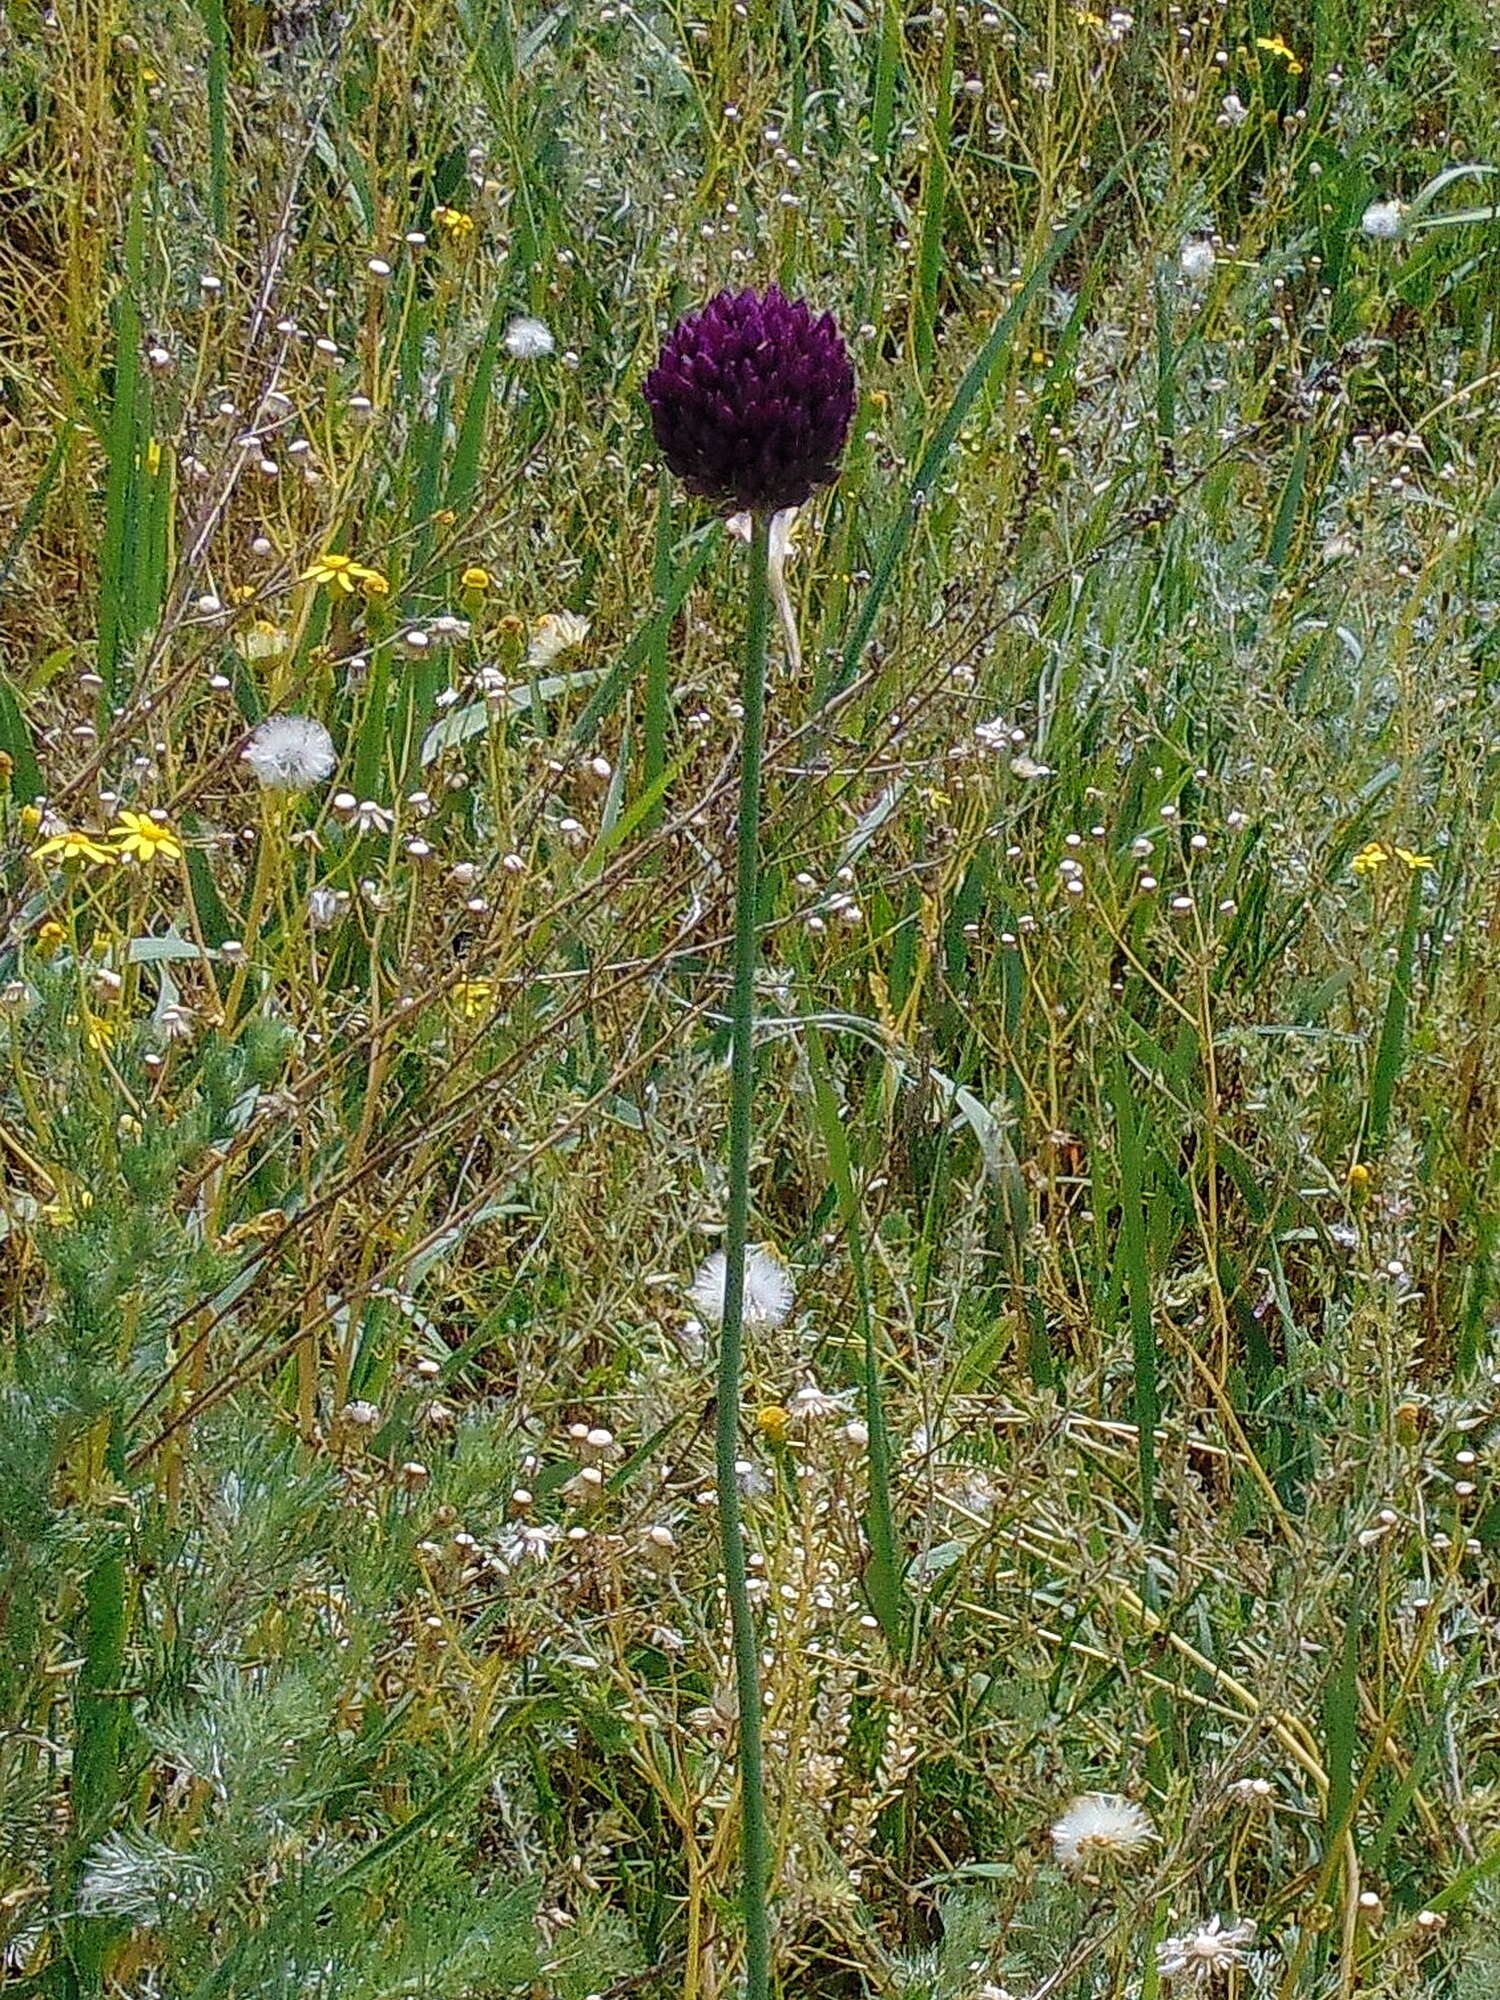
<point x="751" y="400"/>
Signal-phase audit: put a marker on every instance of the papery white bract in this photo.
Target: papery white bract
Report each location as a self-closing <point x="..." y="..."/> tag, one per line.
<point x="289" y="753"/>
<point x="1197" y="261"/>
<point x="768" y="1288"/>
<point x="1213" y="1949"/>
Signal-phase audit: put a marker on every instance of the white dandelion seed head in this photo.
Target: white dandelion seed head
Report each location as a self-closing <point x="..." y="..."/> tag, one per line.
<point x="555" y="633"/>
<point x="768" y="1288"/>
<point x="1210" y="1951"/>
<point x="289" y="753"/>
<point x="1382" y="219"/>
<point x="1196" y="261"/>
<point x="1100" y="1826"/>
<point x="528" y="339"/>
<point x="751" y="1479"/>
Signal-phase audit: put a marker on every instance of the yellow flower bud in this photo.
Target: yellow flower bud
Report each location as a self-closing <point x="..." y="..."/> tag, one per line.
<point x="771" y="1421"/>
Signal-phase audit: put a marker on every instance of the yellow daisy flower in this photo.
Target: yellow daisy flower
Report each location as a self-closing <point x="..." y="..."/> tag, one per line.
<point x="344" y="573"/>
<point x="472" y="997"/>
<point x="1275" y="46"/>
<point x="73" y="844"/>
<point x="138" y="837"/>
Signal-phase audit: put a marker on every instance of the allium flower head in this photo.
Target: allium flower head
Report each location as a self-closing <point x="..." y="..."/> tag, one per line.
<point x="768" y="1288"/>
<point x="288" y="753"/>
<point x="1206" y="1953"/>
<point x="751" y="400"/>
<point x="1099" y="1827"/>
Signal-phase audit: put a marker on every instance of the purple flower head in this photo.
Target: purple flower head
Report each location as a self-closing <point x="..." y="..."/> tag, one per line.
<point x="751" y="400"/>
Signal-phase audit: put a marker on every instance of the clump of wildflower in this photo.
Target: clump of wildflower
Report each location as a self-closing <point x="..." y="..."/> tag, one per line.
<point x="455" y="223"/>
<point x="555" y="633"/>
<point x="345" y="574"/>
<point x="1382" y="220"/>
<point x="1209" y="1952"/>
<point x="140" y="838"/>
<point x="1100" y="1827"/>
<point x="751" y="400"/>
<point x="1196" y="261"/>
<point x="528" y="339"/>
<point x="290" y="753"/>
<point x="768" y="1288"/>
<point x="74" y="844"/>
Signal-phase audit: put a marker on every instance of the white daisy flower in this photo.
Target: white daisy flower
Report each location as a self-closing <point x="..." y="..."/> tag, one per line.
<point x="528" y="339"/>
<point x="1100" y="1826"/>
<point x="289" y="753"/>
<point x="1382" y="219"/>
<point x="1206" y="1953"/>
<point x="768" y="1288"/>
<point x="1197" y="261"/>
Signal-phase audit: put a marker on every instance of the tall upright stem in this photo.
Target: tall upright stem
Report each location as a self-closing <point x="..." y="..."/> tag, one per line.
<point x="754" y="1860"/>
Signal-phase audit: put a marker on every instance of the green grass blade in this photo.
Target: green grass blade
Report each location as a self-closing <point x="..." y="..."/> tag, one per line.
<point x="883" y="1582"/>
<point x="1391" y="1052"/>
<point x="1137" y="1287"/>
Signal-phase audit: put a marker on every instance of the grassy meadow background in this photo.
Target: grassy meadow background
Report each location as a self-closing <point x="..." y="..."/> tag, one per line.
<point x="1129" y="1034"/>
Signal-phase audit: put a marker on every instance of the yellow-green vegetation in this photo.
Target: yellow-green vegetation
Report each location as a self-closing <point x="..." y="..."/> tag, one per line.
<point x="1121" y="1386"/>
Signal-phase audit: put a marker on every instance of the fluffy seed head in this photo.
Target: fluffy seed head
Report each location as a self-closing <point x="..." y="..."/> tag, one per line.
<point x="751" y="400"/>
<point x="1100" y="1826"/>
<point x="768" y="1288"/>
<point x="528" y="339"/>
<point x="288" y="753"/>
<point x="1382" y="219"/>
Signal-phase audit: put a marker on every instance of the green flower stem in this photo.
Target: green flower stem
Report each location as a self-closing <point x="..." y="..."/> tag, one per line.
<point x="754" y="1860"/>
